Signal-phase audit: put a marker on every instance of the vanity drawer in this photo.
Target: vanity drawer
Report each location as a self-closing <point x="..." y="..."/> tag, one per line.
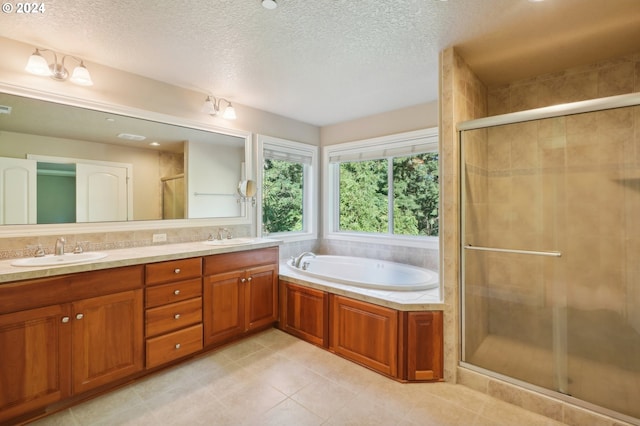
<point x="226" y="262"/>
<point x="174" y="345"/>
<point x="174" y="316"/>
<point x="173" y="292"/>
<point x="173" y="270"/>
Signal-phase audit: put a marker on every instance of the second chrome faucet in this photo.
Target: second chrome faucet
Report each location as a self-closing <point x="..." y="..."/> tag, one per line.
<point x="59" y="249"/>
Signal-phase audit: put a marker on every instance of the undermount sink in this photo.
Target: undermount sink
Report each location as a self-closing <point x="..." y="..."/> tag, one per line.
<point x="230" y="241"/>
<point x="64" y="259"/>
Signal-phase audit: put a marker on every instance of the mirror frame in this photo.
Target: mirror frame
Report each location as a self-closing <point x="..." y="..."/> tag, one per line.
<point x="10" y="231"/>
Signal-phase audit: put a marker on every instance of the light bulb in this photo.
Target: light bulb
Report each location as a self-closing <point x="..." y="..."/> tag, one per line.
<point x="81" y="76"/>
<point x="209" y="107"/>
<point x="269" y="4"/>
<point x="37" y="65"/>
<point x="229" y="113"/>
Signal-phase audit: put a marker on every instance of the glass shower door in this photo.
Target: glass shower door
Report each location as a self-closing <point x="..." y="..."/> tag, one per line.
<point x="551" y="242"/>
<point x="513" y="296"/>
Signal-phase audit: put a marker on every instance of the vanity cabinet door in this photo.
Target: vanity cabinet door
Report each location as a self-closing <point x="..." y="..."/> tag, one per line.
<point x="34" y="359"/>
<point x="240" y="293"/>
<point x="261" y="296"/>
<point x="223" y="306"/>
<point x="365" y="333"/>
<point x="107" y="339"/>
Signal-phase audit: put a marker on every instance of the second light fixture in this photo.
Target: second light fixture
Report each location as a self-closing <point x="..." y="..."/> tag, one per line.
<point x="212" y="107"/>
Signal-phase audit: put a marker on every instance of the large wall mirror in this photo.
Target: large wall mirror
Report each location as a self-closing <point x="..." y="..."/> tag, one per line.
<point x="77" y="162"/>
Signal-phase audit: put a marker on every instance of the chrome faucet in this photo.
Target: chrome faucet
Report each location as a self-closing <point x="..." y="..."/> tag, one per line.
<point x="295" y="261"/>
<point x="59" y="250"/>
<point x="223" y="230"/>
<point x="219" y="234"/>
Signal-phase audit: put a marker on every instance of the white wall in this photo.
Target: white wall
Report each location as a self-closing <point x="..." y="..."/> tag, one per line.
<point x="416" y="117"/>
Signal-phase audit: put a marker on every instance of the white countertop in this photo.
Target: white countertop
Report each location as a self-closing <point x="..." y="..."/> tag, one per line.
<point x="424" y="300"/>
<point x="126" y="257"/>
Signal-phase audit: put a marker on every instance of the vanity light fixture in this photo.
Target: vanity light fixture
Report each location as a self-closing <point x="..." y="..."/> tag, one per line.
<point x="212" y="107"/>
<point x="38" y="65"/>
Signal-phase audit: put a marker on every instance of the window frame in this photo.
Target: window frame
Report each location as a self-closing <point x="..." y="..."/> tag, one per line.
<point x="369" y="149"/>
<point x="310" y="187"/>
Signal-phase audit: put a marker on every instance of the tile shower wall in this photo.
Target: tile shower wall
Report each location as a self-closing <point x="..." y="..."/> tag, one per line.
<point x="607" y="78"/>
<point x="462" y="97"/>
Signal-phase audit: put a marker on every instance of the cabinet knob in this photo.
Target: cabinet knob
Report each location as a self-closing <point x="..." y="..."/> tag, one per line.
<point x="176" y="316"/>
<point x="249" y="279"/>
<point x="65" y="320"/>
<point x="176" y="271"/>
<point x="176" y="292"/>
<point x="177" y="345"/>
<point x="79" y="316"/>
<point x="242" y="280"/>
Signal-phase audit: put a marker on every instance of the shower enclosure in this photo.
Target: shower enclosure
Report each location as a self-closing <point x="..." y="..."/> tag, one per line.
<point x="551" y="251"/>
<point x="173" y="197"/>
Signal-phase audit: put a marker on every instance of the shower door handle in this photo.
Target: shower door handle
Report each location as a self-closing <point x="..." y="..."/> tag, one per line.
<point x="502" y="250"/>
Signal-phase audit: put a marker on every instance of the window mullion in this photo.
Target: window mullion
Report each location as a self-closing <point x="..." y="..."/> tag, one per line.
<point x="390" y="194"/>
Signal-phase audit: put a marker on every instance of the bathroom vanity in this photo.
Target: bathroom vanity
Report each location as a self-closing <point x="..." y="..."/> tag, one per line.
<point x="68" y="333"/>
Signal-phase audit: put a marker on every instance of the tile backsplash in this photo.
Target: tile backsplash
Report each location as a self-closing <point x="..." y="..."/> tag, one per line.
<point x="16" y="247"/>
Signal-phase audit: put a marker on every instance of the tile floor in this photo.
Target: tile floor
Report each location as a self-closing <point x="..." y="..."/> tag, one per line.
<point x="276" y="379"/>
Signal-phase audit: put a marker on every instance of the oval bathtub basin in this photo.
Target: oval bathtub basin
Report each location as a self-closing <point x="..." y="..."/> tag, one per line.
<point x="64" y="259"/>
<point x="368" y="273"/>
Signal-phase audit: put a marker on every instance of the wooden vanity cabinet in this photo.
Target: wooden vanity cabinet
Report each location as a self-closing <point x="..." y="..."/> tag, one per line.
<point x="173" y="314"/>
<point x="240" y="293"/>
<point x="65" y="335"/>
<point x="304" y="313"/>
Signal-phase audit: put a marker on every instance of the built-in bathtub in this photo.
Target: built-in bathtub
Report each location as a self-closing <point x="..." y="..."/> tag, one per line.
<point x="367" y="273"/>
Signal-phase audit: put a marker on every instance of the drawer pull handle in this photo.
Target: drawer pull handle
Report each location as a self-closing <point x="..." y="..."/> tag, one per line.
<point x="65" y="320"/>
<point x="177" y="345"/>
<point x="79" y="316"/>
<point x="176" y="271"/>
<point x="176" y="292"/>
<point x="176" y="316"/>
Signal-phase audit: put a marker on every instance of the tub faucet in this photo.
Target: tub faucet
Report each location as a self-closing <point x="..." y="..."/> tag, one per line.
<point x="59" y="250"/>
<point x="296" y="260"/>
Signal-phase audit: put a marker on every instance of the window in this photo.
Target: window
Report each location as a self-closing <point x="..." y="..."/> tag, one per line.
<point x="288" y="188"/>
<point x="384" y="187"/>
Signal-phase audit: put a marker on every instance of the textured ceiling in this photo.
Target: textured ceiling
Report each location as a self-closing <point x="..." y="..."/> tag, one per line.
<point x="327" y="61"/>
